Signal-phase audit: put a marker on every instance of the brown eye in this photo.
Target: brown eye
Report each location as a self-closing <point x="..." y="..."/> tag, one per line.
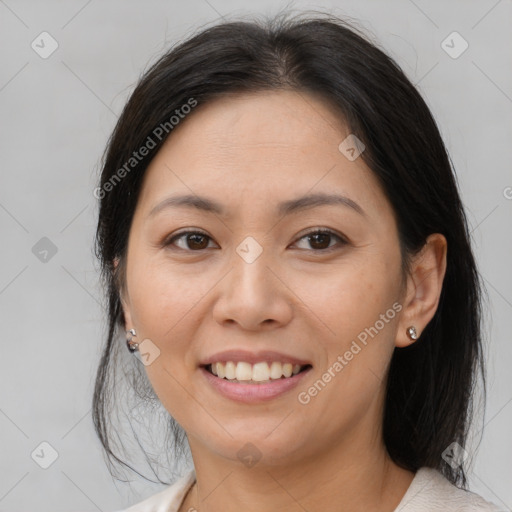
<point x="190" y="240"/>
<point x="321" y="240"/>
<point x="197" y="241"/>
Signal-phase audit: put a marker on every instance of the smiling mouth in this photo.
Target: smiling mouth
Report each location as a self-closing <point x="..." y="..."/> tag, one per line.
<point x="259" y="373"/>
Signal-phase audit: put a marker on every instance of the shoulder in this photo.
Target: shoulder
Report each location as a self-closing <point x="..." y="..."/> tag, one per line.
<point x="430" y="491"/>
<point x="168" y="500"/>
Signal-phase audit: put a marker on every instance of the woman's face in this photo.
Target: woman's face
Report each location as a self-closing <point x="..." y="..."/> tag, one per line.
<point x="255" y="283"/>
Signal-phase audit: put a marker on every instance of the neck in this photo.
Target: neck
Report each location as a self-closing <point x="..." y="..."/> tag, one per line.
<point x="341" y="478"/>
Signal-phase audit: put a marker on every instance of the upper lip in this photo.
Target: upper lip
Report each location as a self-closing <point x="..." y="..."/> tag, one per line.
<point x="268" y="356"/>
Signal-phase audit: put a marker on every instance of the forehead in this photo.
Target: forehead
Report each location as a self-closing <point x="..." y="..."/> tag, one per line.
<point x="259" y="147"/>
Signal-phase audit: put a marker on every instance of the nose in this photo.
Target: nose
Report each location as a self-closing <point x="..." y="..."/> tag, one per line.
<point x="253" y="296"/>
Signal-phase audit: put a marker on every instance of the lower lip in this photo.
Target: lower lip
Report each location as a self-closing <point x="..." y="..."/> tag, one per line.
<point x="251" y="393"/>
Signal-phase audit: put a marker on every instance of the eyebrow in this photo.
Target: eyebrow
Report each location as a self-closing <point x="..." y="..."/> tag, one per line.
<point x="284" y="208"/>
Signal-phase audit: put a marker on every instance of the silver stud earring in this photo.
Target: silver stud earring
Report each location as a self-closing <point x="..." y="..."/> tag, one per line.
<point x="132" y="345"/>
<point x="411" y="332"/>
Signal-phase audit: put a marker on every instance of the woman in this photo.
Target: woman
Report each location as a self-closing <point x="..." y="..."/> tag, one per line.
<point x="284" y="245"/>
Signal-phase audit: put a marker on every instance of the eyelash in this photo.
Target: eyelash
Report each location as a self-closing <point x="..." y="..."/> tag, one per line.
<point x="313" y="231"/>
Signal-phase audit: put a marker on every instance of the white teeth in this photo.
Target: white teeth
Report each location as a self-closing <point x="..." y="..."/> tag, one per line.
<point x="276" y="370"/>
<point x="259" y="372"/>
<point x="220" y="370"/>
<point x="243" y="371"/>
<point x="229" y="370"/>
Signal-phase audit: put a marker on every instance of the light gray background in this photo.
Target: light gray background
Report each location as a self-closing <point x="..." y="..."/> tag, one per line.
<point x="56" y="115"/>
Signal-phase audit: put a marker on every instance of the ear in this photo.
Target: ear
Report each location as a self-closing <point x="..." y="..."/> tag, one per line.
<point x="424" y="286"/>
<point x="125" y="304"/>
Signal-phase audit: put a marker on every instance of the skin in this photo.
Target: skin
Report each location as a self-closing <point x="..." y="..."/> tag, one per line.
<point x="249" y="153"/>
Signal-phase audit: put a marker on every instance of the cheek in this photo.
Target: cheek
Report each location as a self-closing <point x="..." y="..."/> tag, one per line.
<point x="352" y="296"/>
<point x="161" y="297"/>
<point x="162" y="300"/>
<point x="359" y="303"/>
<point x="360" y="306"/>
